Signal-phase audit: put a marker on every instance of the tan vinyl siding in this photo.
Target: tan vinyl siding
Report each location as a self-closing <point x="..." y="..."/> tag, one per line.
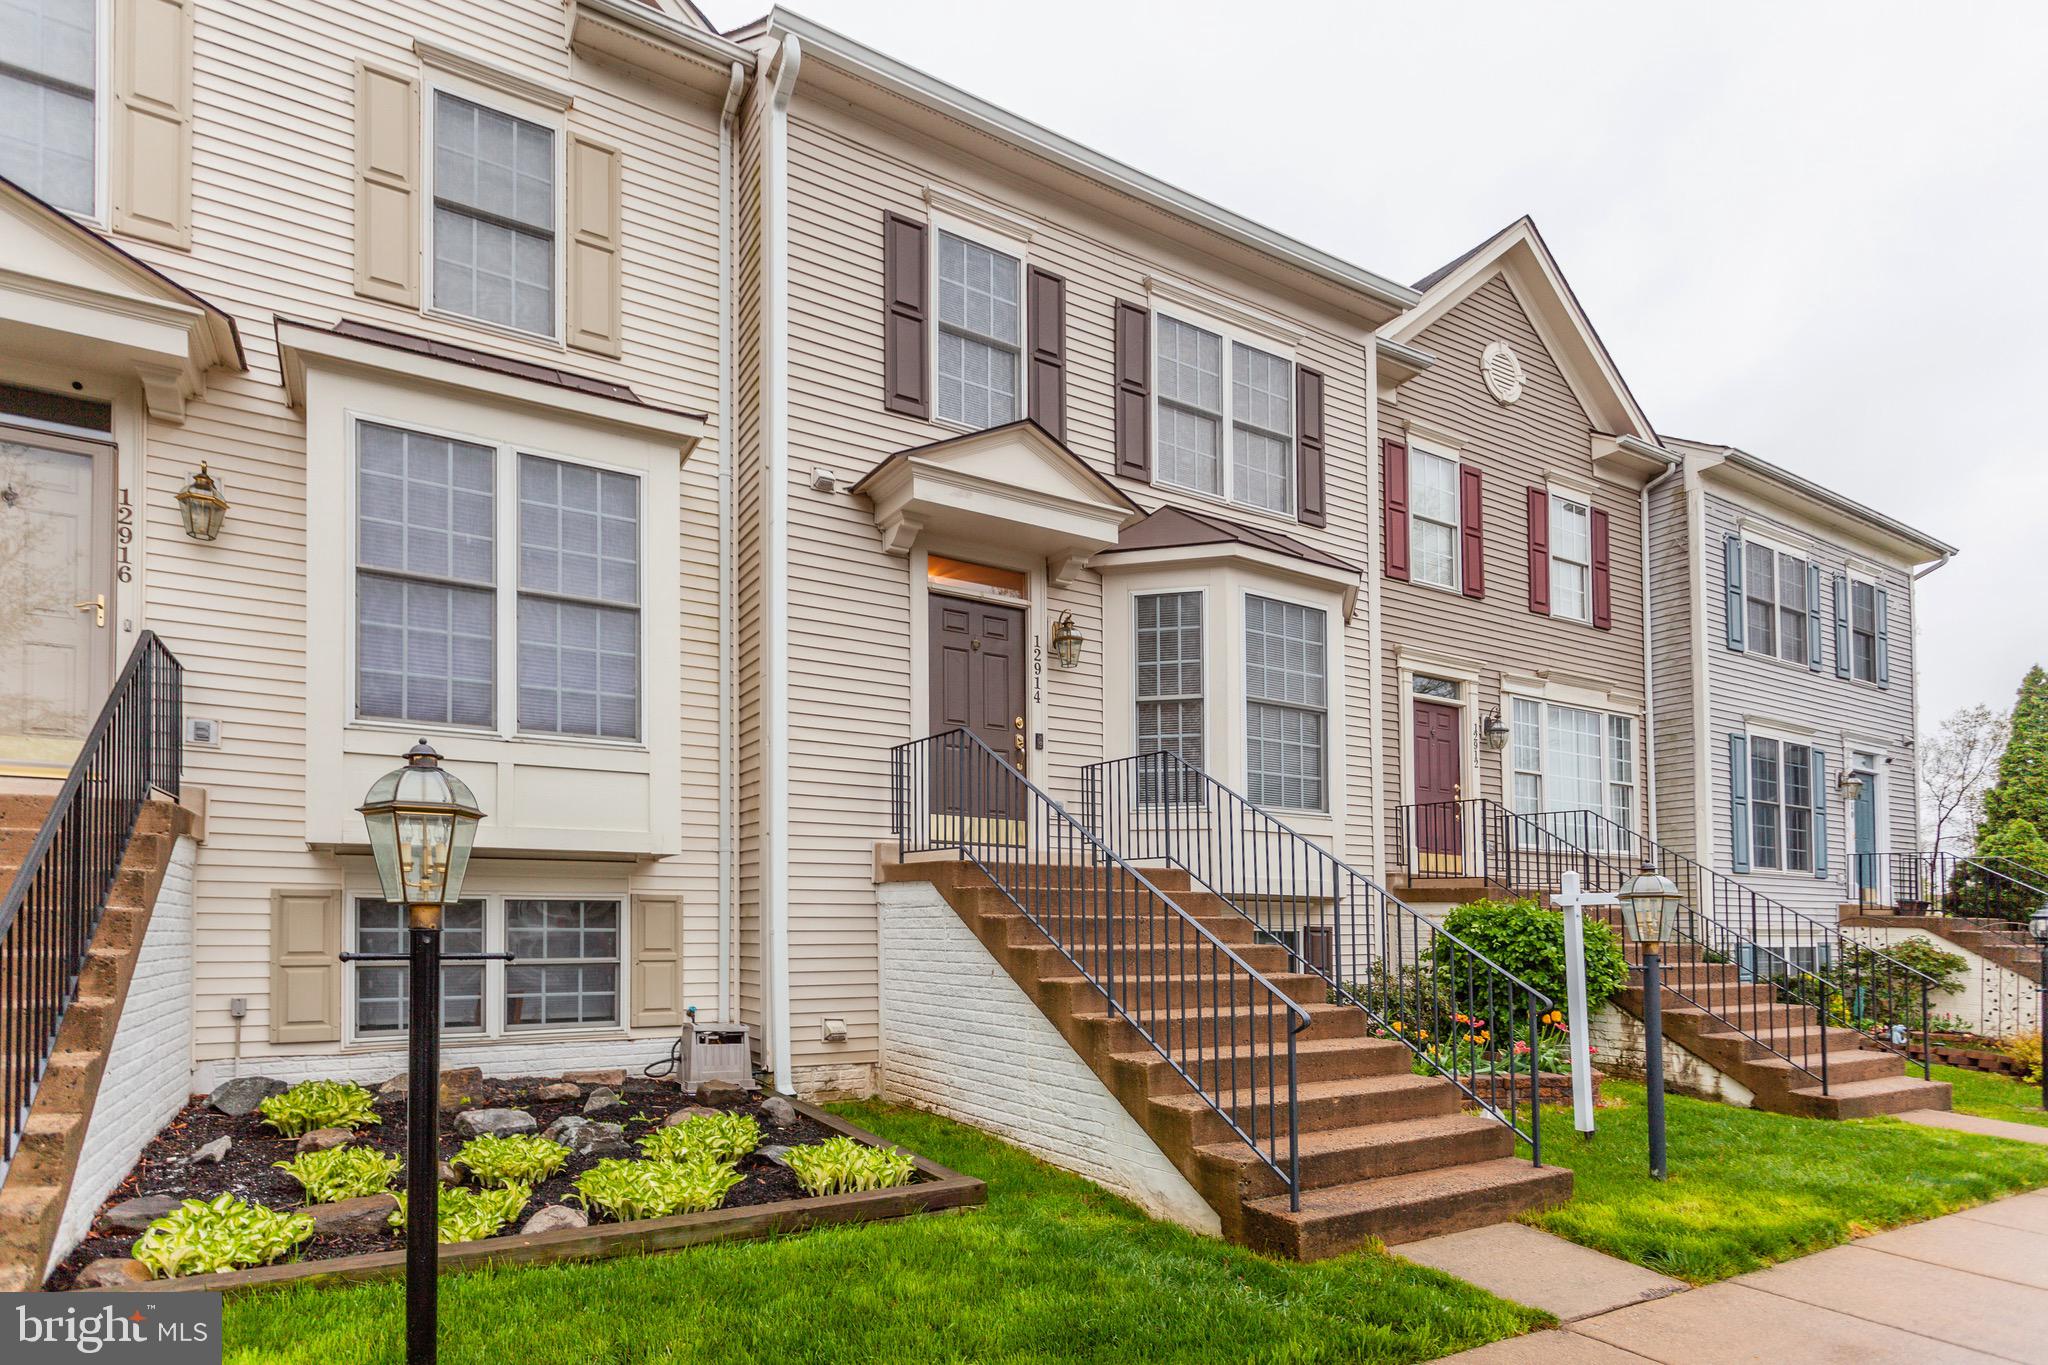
<point x="1672" y="632"/>
<point x="751" y="986"/>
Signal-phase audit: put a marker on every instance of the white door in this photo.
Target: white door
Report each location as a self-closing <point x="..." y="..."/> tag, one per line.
<point x="54" y="596"/>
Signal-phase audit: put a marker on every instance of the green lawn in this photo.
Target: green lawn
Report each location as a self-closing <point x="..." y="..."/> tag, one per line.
<point x="1054" y="1269"/>
<point x="1993" y="1097"/>
<point x="1748" y="1188"/>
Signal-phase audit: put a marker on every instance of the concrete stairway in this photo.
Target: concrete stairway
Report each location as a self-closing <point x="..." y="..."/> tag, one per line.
<point x="1385" y="1153"/>
<point x="1999" y="941"/>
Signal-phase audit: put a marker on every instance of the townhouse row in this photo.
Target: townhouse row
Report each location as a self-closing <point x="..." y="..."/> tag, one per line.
<point x="668" y="424"/>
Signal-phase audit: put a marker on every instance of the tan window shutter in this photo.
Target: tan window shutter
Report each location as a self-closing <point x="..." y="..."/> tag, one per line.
<point x="656" y="930"/>
<point x="150" y="136"/>
<point x="593" y="246"/>
<point x="387" y="185"/>
<point x="305" y="966"/>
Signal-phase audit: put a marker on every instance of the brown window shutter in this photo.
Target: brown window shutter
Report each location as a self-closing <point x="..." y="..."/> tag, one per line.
<point x="387" y="181"/>
<point x="1471" y="532"/>
<point x="1539" y="551"/>
<point x="1133" y="391"/>
<point x="305" y="966"/>
<point x="151" y="122"/>
<point x="905" y="368"/>
<point x="1603" y="587"/>
<point x="1308" y="446"/>
<point x="1046" y="329"/>
<point x="656" y="927"/>
<point x="593" y="284"/>
<point x="1394" y="485"/>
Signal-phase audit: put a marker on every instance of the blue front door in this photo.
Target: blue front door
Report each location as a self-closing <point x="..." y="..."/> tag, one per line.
<point x="1863" y="820"/>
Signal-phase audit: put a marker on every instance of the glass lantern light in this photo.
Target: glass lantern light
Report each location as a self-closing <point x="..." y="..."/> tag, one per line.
<point x="202" y="505"/>
<point x="2037" y="924"/>
<point x="1494" y="731"/>
<point x="422" y="821"/>
<point x="1066" y="641"/>
<point x="1649" y="906"/>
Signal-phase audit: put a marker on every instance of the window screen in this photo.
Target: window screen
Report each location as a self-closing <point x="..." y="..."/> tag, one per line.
<point x="1766" y="804"/>
<point x="1190" y="407"/>
<point x="1287" y="699"/>
<point x="566" y="967"/>
<point x="494" y="216"/>
<point x="980" y="333"/>
<point x="381" y="996"/>
<point x="1262" y="429"/>
<point x="47" y="117"/>
<point x="579" y="595"/>
<point x="1169" y="667"/>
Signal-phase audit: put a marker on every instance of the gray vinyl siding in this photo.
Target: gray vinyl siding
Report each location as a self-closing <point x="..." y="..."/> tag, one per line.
<point x="1671" y="667"/>
<point x="1745" y="689"/>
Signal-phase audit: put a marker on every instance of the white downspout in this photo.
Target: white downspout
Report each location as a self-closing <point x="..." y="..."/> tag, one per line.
<point x="1649" y="654"/>
<point x="728" y="660"/>
<point x="775" y="553"/>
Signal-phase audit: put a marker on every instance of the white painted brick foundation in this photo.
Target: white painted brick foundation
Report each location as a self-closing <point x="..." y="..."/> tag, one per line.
<point x="149" y="1071"/>
<point x="374" y="1066"/>
<point x="960" y="1038"/>
<point x="1624" y="1050"/>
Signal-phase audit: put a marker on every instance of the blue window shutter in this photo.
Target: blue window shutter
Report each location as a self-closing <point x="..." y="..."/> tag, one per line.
<point x="1841" y="625"/>
<point x="1813" y="617"/>
<point x="1884" y="639"/>
<point x="1820" y="816"/>
<point x="1738" y="803"/>
<point x="1731" y="574"/>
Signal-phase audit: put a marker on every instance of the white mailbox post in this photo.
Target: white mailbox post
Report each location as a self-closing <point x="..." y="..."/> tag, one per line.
<point x="1573" y="900"/>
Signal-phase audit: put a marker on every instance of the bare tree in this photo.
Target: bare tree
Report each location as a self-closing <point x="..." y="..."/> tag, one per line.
<point x="1956" y="768"/>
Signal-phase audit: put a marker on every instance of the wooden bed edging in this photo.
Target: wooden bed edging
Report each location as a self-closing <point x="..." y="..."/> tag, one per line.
<point x="941" y="1189"/>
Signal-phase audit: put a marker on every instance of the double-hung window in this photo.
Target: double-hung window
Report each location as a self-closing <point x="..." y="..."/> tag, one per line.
<point x="1225" y="418"/>
<point x="494" y="216"/>
<point x="1571" y="558"/>
<point x="1774" y="586"/>
<point x="1287" y="702"/>
<point x="1780" y="805"/>
<point x="981" y="334"/>
<point x="1433" y="517"/>
<point x="1568" y="759"/>
<point x="1169" y="674"/>
<point x="49" y="116"/>
<point x="579" y="600"/>
<point x="1863" y="630"/>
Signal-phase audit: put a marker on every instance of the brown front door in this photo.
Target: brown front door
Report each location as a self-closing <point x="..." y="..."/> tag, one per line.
<point x="1439" y="786"/>
<point x="977" y="685"/>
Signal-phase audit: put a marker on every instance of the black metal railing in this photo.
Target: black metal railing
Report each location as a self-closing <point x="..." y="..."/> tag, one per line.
<point x="1993" y="888"/>
<point x="1819" y="977"/>
<point x="1219" y="1022"/>
<point x="1468" y="1019"/>
<point x="53" y="906"/>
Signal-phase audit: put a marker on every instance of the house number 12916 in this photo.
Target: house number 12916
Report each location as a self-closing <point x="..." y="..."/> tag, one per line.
<point x="124" y="537"/>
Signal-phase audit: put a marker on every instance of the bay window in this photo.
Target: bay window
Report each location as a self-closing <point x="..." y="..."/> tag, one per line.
<point x="1286" y="704"/>
<point x="49" y="114"/>
<point x="981" y="334"/>
<point x="1215" y="394"/>
<point x="1571" y="558"/>
<point x="1567" y="759"/>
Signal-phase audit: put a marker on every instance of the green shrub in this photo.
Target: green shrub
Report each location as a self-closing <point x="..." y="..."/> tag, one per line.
<point x="2025" y="1048"/>
<point x="200" y="1237"/>
<point x="1528" y="940"/>
<point x="340" y="1173"/>
<point x="319" y="1104"/>
<point x="722" y="1137"/>
<point x="630" y="1190"/>
<point x="520" y="1159"/>
<point x="469" y="1214"/>
<point x="841" y="1165"/>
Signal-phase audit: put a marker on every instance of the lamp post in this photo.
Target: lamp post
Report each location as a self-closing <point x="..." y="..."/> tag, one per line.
<point x="1648" y="915"/>
<point x="422" y="820"/>
<point x="2038" y="923"/>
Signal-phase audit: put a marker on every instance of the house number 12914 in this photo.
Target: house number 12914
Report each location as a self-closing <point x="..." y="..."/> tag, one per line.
<point x="1037" y="669"/>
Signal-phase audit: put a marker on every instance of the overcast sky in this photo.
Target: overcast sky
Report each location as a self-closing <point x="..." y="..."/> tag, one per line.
<point x="1810" y="230"/>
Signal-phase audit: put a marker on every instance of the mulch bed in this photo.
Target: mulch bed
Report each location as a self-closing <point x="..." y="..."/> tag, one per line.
<point x="165" y="1166"/>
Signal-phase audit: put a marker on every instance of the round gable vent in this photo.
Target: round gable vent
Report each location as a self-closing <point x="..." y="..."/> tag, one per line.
<point x="1502" y="372"/>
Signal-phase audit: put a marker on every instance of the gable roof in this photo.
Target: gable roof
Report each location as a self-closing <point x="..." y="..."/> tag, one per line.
<point x="1049" y="445"/>
<point x="1172" y="528"/>
<point x="1840" y="512"/>
<point x="1519" y="252"/>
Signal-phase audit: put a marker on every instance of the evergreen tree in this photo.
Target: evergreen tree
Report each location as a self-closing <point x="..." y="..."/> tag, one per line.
<point x="2008" y="876"/>
<point x="2021" y="792"/>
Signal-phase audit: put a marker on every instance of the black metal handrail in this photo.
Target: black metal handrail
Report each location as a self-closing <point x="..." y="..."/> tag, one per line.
<point x="53" y="905"/>
<point x="1219" y="1022"/>
<point x="1995" y="888"/>
<point x="1471" y="1020"/>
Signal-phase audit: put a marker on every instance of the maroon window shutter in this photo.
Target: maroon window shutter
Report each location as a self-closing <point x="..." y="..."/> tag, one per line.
<point x="1603" y="588"/>
<point x="1133" y="391"/>
<point x="1471" y="533"/>
<point x="905" y="388"/>
<point x="1394" y="483"/>
<point x="1047" y="383"/>
<point x="1539" y="551"/>
<point x="1308" y="446"/>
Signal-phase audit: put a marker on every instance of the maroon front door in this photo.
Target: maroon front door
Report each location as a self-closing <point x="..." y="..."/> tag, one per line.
<point x="1439" y="786"/>
<point x="977" y="685"/>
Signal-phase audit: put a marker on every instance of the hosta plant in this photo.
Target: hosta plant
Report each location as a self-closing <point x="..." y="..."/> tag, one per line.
<point x="630" y="1190"/>
<point x="201" y="1236"/>
<point x="340" y="1173"/>
<point x="319" y="1104"/>
<point x="520" y="1159"/>
<point x="722" y="1137"/>
<point x="841" y="1165"/>
<point x="470" y="1214"/>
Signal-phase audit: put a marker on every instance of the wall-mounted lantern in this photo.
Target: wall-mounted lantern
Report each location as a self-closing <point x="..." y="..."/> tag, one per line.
<point x="1493" y="731"/>
<point x="202" y="505"/>
<point x="1850" y="786"/>
<point x="1066" y="641"/>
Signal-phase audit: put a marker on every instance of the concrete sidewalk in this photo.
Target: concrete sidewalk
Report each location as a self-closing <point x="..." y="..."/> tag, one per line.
<point x="1970" y="1287"/>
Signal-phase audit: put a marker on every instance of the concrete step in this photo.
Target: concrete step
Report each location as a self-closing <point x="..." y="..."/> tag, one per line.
<point x="1898" y="1094"/>
<point x="1317" y="1059"/>
<point x="1189" y="1121"/>
<point x="1174" y="998"/>
<point x="1403" y="1208"/>
<point x="1804" y="1070"/>
<point x="1152" y="933"/>
<point x="1048" y="961"/>
<point x="1109" y="1036"/>
<point x="1343" y="1156"/>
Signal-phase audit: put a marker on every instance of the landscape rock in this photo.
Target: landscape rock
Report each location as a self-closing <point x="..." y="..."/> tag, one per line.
<point x="213" y="1153"/>
<point x="686" y="1113"/>
<point x="720" y="1092"/>
<point x="449" y="1175"/>
<point x="775" y="1151"/>
<point x="554" y="1218"/>
<point x="353" y="1217"/>
<point x="112" y="1272"/>
<point x="133" y="1215"/>
<point x="242" y="1094"/>
<point x="393" y="1089"/>
<point x="778" y="1111"/>
<point x="495" y="1122"/>
<point x="461" y="1087"/>
<point x="615" y="1078"/>
<point x="559" y="1090"/>
<point x="320" y="1139"/>
<point x="598" y="1139"/>
<point x="559" y="1130"/>
<point x="601" y="1099"/>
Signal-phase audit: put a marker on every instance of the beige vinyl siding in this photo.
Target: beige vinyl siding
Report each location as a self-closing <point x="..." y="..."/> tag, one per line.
<point x="751" y="986"/>
<point x="1545" y="433"/>
<point x="273" y="210"/>
<point x="1672" y="632"/>
<point x="1745" y="688"/>
<point x="850" y="603"/>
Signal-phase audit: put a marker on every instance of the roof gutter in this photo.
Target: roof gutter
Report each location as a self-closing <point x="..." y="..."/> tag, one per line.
<point x="1764" y="469"/>
<point x="905" y="80"/>
<point x="709" y="46"/>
